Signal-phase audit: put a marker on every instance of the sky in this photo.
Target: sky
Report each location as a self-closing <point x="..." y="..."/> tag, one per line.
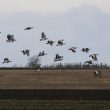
<point x="81" y="23"/>
<point x="48" y="6"/>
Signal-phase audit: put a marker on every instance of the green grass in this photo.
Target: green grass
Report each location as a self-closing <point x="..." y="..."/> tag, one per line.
<point x="11" y="104"/>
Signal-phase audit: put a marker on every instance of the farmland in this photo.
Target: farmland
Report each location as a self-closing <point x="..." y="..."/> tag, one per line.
<point x="54" y="90"/>
<point x="54" y="79"/>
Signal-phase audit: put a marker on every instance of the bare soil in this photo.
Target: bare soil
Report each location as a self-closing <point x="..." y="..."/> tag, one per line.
<point x="54" y="79"/>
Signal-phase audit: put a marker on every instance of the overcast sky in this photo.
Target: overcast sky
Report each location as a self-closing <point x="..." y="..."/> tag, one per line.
<point x="46" y="6"/>
<point x="81" y="23"/>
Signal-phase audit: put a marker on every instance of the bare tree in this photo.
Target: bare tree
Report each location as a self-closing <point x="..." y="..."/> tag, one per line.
<point x="34" y="62"/>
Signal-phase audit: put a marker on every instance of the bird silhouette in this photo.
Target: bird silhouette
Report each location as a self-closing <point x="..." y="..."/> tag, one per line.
<point x="42" y="53"/>
<point x="28" y="28"/>
<point x="85" y="50"/>
<point x="26" y="52"/>
<point x="94" y="56"/>
<point x="50" y="42"/>
<point x="6" y="60"/>
<point x="10" y="38"/>
<point x="73" y="49"/>
<point x="58" y="58"/>
<point x="43" y="37"/>
<point x="60" y="42"/>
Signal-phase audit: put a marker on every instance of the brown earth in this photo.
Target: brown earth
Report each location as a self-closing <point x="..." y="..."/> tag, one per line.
<point x="54" y="79"/>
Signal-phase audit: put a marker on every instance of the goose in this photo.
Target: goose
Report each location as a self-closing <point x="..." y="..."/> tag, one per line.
<point x="94" y="56"/>
<point x="88" y="62"/>
<point x="6" y="60"/>
<point x="98" y="73"/>
<point x="50" y="42"/>
<point x="58" y="57"/>
<point x="43" y="37"/>
<point x="85" y="50"/>
<point x="42" y="53"/>
<point x="26" y="52"/>
<point x="10" y="38"/>
<point x="28" y="28"/>
<point x="73" y="49"/>
<point x="60" y="42"/>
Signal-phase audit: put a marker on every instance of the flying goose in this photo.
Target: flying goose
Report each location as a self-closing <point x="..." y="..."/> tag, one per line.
<point x="50" y="42"/>
<point x="88" y="62"/>
<point x="28" y="28"/>
<point x="26" y="52"/>
<point x="60" y="42"/>
<point x="10" y="38"/>
<point x="6" y="60"/>
<point x="85" y="50"/>
<point x="42" y="53"/>
<point x="58" y="57"/>
<point x="94" y="56"/>
<point x="73" y="49"/>
<point x="43" y="37"/>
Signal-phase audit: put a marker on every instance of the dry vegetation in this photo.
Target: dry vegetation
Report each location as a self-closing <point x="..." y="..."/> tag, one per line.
<point x="54" y="79"/>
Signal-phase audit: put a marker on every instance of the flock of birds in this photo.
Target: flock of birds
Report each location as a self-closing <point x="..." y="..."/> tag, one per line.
<point x="10" y="38"/>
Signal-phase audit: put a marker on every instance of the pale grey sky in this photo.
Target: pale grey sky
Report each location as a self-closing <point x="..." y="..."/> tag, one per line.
<point x="46" y="6"/>
<point x="81" y="23"/>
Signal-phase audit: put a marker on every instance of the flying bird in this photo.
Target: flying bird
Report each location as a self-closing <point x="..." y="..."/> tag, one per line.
<point x="88" y="62"/>
<point x="60" y="42"/>
<point x="28" y="28"/>
<point x="73" y="49"/>
<point x="94" y="56"/>
<point x="26" y="52"/>
<point x="6" y="60"/>
<point x="42" y="53"/>
<point x="58" y="58"/>
<point x="85" y="50"/>
<point x="10" y="38"/>
<point x="43" y="37"/>
<point x="50" y="42"/>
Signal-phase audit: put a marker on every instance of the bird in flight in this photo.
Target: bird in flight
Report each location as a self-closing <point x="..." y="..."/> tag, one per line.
<point x="50" y="42"/>
<point x="10" y="38"/>
<point x="26" y="52"/>
<point x="58" y="58"/>
<point x="6" y="60"/>
<point x="60" y="42"/>
<point x="43" y="37"/>
<point x="42" y="53"/>
<point x="85" y="50"/>
<point x="73" y="49"/>
<point x="28" y="28"/>
<point x="94" y="57"/>
<point x="88" y="62"/>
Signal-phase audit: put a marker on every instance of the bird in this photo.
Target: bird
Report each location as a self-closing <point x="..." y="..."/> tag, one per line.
<point x="26" y="52"/>
<point x="88" y="62"/>
<point x="42" y="53"/>
<point x="94" y="57"/>
<point x="73" y="49"/>
<point x="98" y="73"/>
<point x="85" y="50"/>
<point x="58" y="57"/>
<point x="10" y="38"/>
<point x="60" y="42"/>
<point x="6" y="60"/>
<point x="28" y="28"/>
<point x="43" y="37"/>
<point x="50" y="42"/>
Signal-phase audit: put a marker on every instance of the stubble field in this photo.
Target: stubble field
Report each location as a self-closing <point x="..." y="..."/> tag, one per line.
<point x="54" y="79"/>
<point x="54" y="90"/>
